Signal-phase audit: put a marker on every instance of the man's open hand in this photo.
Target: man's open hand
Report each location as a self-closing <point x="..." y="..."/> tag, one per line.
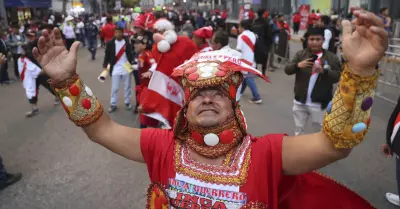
<point x="364" y="45"/>
<point x="56" y="61"/>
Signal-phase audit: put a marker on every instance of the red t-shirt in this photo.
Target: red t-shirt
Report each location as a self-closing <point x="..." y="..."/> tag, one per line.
<point x="107" y="32"/>
<point x="263" y="177"/>
<point x="296" y="18"/>
<point x="311" y="18"/>
<point x="264" y="181"/>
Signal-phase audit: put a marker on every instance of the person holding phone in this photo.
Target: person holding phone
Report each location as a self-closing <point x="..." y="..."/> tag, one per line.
<point x="316" y="71"/>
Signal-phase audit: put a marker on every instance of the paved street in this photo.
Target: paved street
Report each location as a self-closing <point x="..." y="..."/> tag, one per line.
<point x="63" y="169"/>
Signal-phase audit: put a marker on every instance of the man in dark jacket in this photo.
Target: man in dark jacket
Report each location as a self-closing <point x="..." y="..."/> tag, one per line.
<point x="263" y="30"/>
<point x="393" y="146"/>
<point x="120" y="58"/>
<point x="15" y="41"/>
<point x="4" y="79"/>
<point x="91" y="32"/>
<point x="316" y="71"/>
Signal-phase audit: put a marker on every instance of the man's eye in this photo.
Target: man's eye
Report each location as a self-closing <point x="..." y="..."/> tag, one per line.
<point x="218" y="95"/>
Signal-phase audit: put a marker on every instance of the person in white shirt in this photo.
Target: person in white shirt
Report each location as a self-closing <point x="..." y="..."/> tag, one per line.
<point x="246" y="44"/>
<point x="80" y="32"/>
<point x="119" y="58"/>
<point x="69" y="32"/>
<point x="325" y="22"/>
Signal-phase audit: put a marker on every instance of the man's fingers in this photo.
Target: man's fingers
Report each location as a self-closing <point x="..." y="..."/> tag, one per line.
<point x="347" y="28"/>
<point x="49" y="40"/>
<point x="369" y="18"/>
<point x="42" y="45"/>
<point x="57" y="37"/>
<point x="381" y="37"/>
<point x="36" y="54"/>
<point x="75" y="47"/>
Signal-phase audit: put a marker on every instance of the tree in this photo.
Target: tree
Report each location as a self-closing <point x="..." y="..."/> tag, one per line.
<point x="129" y="3"/>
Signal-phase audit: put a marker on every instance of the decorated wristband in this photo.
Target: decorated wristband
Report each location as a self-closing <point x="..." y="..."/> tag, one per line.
<point x="347" y="118"/>
<point x="78" y="100"/>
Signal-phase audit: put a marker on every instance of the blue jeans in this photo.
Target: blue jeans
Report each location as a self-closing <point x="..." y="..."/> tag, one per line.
<point x="3" y="174"/>
<point x="115" y="83"/>
<point x="251" y="82"/>
<point x="92" y="46"/>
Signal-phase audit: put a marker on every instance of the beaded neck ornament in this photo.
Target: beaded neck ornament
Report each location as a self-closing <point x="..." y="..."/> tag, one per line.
<point x="216" y="69"/>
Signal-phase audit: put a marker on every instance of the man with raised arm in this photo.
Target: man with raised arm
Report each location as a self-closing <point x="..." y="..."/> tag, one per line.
<point x="209" y="160"/>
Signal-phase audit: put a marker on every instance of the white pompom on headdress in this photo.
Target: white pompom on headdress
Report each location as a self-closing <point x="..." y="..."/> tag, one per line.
<point x="168" y="37"/>
<point x="163" y="25"/>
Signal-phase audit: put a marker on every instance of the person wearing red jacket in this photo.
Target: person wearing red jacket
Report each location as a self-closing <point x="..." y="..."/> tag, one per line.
<point x="107" y="31"/>
<point x="296" y="22"/>
<point x="311" y="18"/>
<point x="252" y="15"/>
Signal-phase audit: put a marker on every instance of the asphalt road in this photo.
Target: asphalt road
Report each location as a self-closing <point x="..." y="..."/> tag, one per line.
<point x="63" y="169"/>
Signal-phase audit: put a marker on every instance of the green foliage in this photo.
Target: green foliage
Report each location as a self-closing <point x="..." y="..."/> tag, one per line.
<point x="129" y="3"/>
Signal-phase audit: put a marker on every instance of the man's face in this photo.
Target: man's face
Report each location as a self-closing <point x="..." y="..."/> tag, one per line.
<point x="139" y="47"/>
<point x="315" y="42"/>
<point x="210" y="107"/>
<point x="215" y="46"/>
<point x="118" y="34"/>
<point x="386" y="12"/>
<point x="241" y="29"/>
<point x="16" y="30"/>
<point x="139" y="30"/>
<point x="281" y="19"/>
<point x="199" y="41"/>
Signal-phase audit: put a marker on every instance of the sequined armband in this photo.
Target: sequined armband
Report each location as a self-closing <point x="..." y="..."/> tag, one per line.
<point x="78" y="100"/>
<point x="347" y="118"/>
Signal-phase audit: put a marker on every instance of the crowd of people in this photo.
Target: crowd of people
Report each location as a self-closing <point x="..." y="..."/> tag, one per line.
<point x="189" y="80"/>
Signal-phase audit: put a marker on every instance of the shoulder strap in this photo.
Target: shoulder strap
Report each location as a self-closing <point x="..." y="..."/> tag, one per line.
<point x="248" y="42"/>
<point x="120" y="53"/>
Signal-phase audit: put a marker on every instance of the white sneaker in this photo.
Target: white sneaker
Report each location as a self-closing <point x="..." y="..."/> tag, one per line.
<point x="393" y="198"/>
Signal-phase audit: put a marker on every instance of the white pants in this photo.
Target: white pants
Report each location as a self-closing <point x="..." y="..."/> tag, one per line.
<point x="115" y="83"/>
<point x="301" y="114"/>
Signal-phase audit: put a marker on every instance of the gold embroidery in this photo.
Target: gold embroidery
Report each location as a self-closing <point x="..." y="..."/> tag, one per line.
<point x="236" y="180"/>
<point x="346" y="110"/>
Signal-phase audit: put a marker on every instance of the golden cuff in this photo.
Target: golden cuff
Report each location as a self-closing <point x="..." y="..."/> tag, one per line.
<point x="78" y="101"/>
<point x="347" y="118"/>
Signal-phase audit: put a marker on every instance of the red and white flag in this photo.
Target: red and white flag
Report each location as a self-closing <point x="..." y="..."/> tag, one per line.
<point x="166" y="96"/>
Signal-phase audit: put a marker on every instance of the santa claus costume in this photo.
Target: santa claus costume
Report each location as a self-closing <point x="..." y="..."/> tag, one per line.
<point x="163" y="98"/>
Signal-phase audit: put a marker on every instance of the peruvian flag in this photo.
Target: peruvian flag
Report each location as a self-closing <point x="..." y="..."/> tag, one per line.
<point x="167" y="97"/>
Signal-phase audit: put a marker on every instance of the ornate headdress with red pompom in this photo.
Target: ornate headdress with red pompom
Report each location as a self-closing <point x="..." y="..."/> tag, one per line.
<point x="223" y="71"/>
